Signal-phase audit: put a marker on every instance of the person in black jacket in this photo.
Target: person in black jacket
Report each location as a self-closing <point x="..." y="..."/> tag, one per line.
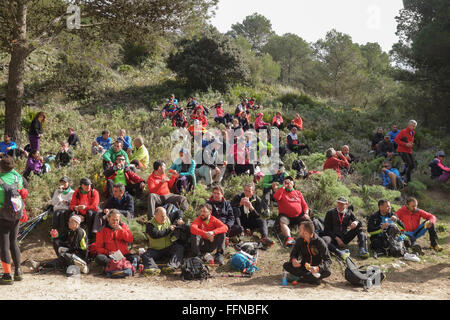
<point x="121" y="200"/>
<point x="222" y="210"/>
<point x="379" y="222"/>
<point x="35" y="132"/>
<point x="73" y="139"/>
<point x="377" y="138"/>
<point x="336" y="233"/>
<point x="315" y="259"/>
<point x="248" y="207"/>
<point x="386" y="148"/>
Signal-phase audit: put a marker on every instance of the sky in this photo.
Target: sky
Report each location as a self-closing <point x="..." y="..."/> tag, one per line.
<point x="364" y="20"/>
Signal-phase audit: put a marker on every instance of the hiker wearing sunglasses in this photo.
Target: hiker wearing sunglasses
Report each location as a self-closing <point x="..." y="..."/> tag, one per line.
<point x="122" y="173"/>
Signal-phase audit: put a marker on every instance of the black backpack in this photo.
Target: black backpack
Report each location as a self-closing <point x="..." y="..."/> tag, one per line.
<point x="194" y="269"/>
<point x="393" y="246"/>
<point x="365" y="276"/>
<point x="300" y="167"/>
<point x="13" y="204"/>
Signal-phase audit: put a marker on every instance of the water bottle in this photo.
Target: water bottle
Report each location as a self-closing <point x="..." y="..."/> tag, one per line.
<point x="284" y="279"/>
<point x="134" y="265"/>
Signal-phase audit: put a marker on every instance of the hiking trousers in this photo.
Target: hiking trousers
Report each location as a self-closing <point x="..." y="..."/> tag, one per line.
<point x="347" y="237"/>
<point x="409" y="162"/>
<point x="420" y="231"/>
<point x="8" y="242"/>
<point x="303" y="273"/>
<point x="174" y="252"/>
<point x="200" y="246"/>
<point x="156" y="200"/>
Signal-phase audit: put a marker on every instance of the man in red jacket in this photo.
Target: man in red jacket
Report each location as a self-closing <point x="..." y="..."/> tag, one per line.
<point x="208" y="234"/>
<point x="159" y="185"/>
<point x="292" y="208"/>
<point x="114" y="236"/>
<point x="410" y="216"/>
<point x="336" y="161"/>
<point x="405" y="142"/>
<point x="121" y="173"/>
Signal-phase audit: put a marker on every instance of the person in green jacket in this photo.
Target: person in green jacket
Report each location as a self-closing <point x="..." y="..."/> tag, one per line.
<point x="268" y="183"/>
<point x="139" y="157"/>
<point x="163" y="242"/>
<point x="185" y="167"/>
<point x="109" y="157"/>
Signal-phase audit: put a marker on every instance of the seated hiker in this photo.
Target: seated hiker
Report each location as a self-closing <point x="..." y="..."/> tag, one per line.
<point x="192" y="102"/>
<point x="393" y="134"/>
<point x="170" y="108"/>
<point x="121" y="173"/>
<point x="139" y="157"/>
<point x="7" y="146"/>
<point x="179" y="119"/>
<point x="184" y="167"/>
<point x="377" y="138"/>
<point x="102" y="143"/>
<point x="391" y="177"/>
<point x="204" y="110"/>
<point x="337" y="223"/>
<point x="315" y="258"/>
<point x="350" y="158"/>
<point x="85" y="202"/>
<point x="335" y="160"/>
<point x="120" y="200"/>
<point x="379" y="222"/>
<point x="219" y="114"/>
<point x="259" y="122"/>
<point x="248" y="209"/>
<point x="292" y="208"/>
<point x="244" y="122"/>
<point x="72" y="249"/>
<point x="163" y="242"/>
<point x="208" y="235"/>
<point x="242" y="164"/>
<point x="269" y="182"/>
<point x="235" y="125"/>
<point x="64" y="157"/>
<point x="159" y="185"/>
<point x="115" y="236"/>
<point x="293" y="143"/>
<point x="61" y="209"/>
<point x="252" y="104"/>
<point x="277" y="121"/>
<point x="73" y="139"/>
<point x="109" y="157"/>
<point x="410" y="215"/>
<point x="242" y="107"/>
<point x="35" y="164"/>
<point x="386" y="148"/>
<point x="198" y="115"/>
<point x="222" y="210"/>
<point x="211" y="168"/>
<point x="439" y="171"/>
<point x="126" y="140"/>
<point x="296" y="122"/>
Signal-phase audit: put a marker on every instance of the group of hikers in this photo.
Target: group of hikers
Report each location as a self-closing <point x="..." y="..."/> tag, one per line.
<point x="83" y="231"/>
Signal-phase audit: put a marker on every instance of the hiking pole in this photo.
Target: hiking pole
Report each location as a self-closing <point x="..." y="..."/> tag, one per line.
<point x="24" y="233"/>
<point x="235" y="275"/>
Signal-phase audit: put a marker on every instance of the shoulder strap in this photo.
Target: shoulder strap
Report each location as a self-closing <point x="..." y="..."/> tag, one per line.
<point x="2" y="183"/>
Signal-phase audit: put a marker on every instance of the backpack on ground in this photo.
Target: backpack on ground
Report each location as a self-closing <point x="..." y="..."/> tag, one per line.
<point x="319" y="226"/>
<point x="119" y="269"/>
<point x="365" y="276"/>
<point x="194" y="269"/>
<point x="244" y="262"/>
<point x="300" y="167"/>
<point x="394" y="245"/>
<point x="13" y="204"/>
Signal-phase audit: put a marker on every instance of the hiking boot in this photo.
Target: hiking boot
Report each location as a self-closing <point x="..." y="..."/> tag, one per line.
<point x="36" y="266"/>
<point x="343" y="254"/>
<point x="18" y="274"/>
<point x="227" y="242"/>
<point x="363" y="253"/>
<point x="83" y="266"/>
<point x="267" y="242"/>
<point x="152" y="272"/>
<point x="289" y="242"/>
<point x="290" y="278"/>
<point x="436" y="248"/>
<point x="218" y="258"/>
<point x="168" y="270"/>
<point x="417" y="249"/>
<point x="6" y="279"/>
<point x="266" y="213"/>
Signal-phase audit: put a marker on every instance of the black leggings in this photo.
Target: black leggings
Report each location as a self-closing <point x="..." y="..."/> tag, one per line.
<point x="8" y="242"/>
<point x="410" y="165"/>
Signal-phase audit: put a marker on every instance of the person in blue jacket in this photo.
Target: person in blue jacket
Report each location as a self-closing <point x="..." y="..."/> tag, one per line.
<point x="7" y="146"/>
<point x="391" y="176"/>
<point x="393" y="134"/>
<point x="185" y="167"/>
<point x="126" y="140"/>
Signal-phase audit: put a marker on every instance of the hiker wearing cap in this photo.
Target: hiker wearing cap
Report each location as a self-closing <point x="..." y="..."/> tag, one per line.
<point x="296" y="122"/>
<point x="139" y="157"/>
<point x="391" y="177"/>
<point x="405" y="142"/>
<point x="293" y="143"/>
<point x="385" y="148"/>
<point x="341" y="227"/>
<point x="336" y="161"/>
<point x="120" y="172"/>
<point x="208" y="235"/>
<point x="269" y="182"/>
<point x="72" y="249"/>
<point x="411" y="215"/>
<point x="439" y="171"/>
<point x="85" y="202"/>
<point x="159" y="186"/>
<point x="248" y="208"/>
<point x="292" y="208"/>
<point x="12" y="212"/>
<point x="163" y="242"/>
<point x="61" y="210"/>
<point x="259" y="122"/>
<point x="278" y="121"/>
<point x="377" y="138"/>
<point x="310" y="260"/>
<point x="120" y="200"/>
<point x="109" y="157"/>
<point x="184" y="166"/>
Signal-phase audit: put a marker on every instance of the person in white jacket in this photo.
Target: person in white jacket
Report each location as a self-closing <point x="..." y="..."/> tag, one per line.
<point x="61" y="210"/>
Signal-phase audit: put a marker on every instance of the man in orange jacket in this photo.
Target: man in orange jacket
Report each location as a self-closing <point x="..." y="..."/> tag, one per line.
<point x="405" y="142"/>
<point x="159" y="185"/>
<point x="208" y="234"/>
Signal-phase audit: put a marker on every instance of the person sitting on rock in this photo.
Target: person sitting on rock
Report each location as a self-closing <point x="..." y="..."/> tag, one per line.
<point x="386" y="148"/>
<point x="277" y="121"/>
<point x="35" y="164"/>
<point x="7" y="146"/>
<point x="184" y="166"/>
<point x="102" y="143"/>
<point x="73" y="139"/>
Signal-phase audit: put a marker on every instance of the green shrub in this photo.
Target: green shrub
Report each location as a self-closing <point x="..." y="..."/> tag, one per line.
<point x="125" y="68"/>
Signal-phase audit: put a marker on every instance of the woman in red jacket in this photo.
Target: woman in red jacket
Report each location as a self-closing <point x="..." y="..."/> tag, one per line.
<point x="405" y="142"/>
<point x="336" y="161"/>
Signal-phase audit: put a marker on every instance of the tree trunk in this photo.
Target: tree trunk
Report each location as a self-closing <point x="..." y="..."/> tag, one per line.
<point x="16" y="73"/>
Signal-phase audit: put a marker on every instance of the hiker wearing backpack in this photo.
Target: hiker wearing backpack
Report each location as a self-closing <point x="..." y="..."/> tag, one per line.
<point x="163" y="242"/>
<point x="12" y="212"/>
<point x="341" y="227"/>
<point x="269" y="182"/>
<point x="439" y="171"/>
<point x="292" y="208"/>
<point x="378" y="224"/>
<point x="315" y="259"/>
<point x="405" y="142"/>
<point x="208" y="235"/>
<point x="411" y="215"/>
<point x="248" y="208"/>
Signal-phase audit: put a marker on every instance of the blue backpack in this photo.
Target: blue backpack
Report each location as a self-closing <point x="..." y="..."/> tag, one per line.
<point x="244" y="262"/>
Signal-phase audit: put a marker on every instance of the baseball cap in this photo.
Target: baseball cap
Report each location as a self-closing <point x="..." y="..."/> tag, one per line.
<point x="65" y="179"/>
<point x="342" y="200"/>
<point x="440" y="154"/>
